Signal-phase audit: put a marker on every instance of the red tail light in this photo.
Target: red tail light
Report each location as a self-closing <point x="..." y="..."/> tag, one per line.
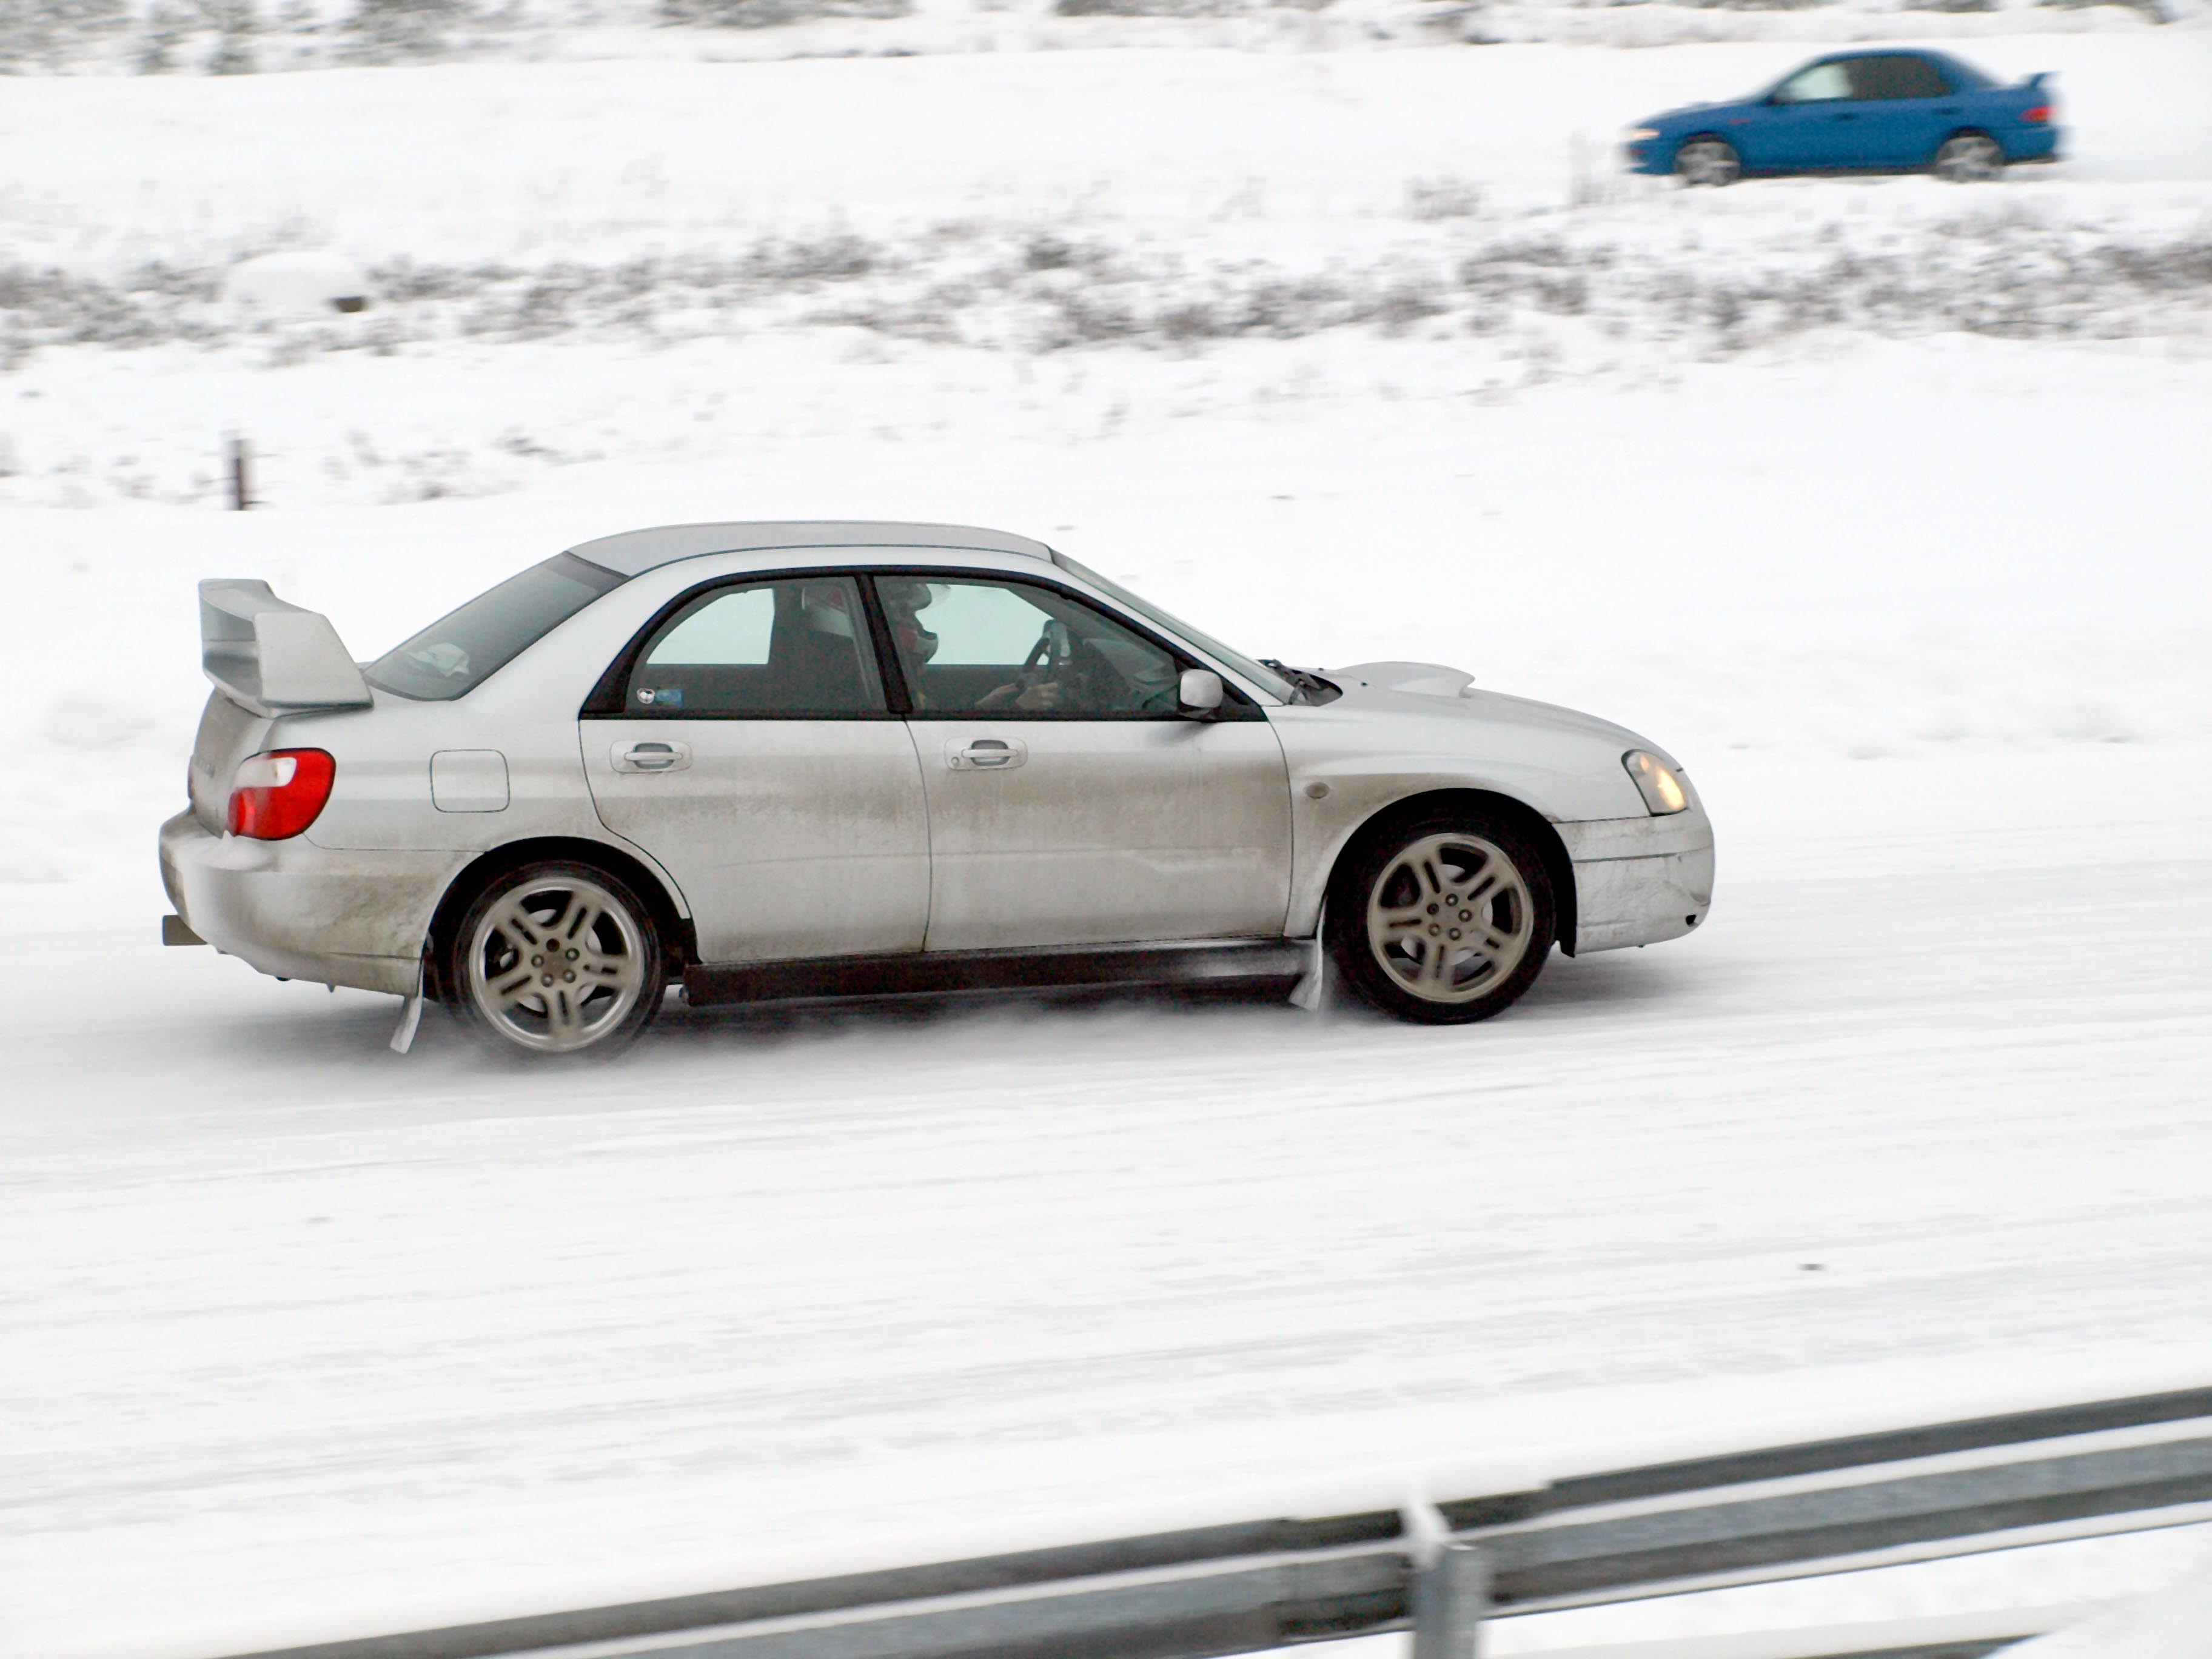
<point x="275" y="796"/>
<point x="2040" y="115"/>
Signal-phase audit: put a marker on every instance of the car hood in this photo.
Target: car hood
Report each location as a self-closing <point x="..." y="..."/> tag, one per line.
<point x="1427" y="690"/>
<point x="1692" y="114"/>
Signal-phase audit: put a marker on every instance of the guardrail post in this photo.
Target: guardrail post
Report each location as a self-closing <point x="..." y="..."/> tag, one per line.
<point x="1450" y="1596"/>
<point x="241" y="474"/>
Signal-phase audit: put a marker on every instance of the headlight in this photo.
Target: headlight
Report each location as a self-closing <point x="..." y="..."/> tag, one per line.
<point x="1639" y="135"/>
<point x="1656" y="781"/>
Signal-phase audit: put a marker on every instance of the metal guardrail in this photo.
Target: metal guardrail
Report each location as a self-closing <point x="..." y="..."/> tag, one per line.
<point x="1817" y="1507"/>
<point x="1923" y="1635"/>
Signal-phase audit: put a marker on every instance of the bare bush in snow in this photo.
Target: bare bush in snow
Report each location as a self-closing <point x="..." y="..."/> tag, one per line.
<point x="772" y="13"/>
<point x="162" y="35"/>
<point x="1147" y="8"/>
<point x="235" y="23"/>
<point x="1428" y="200"/>
<point x="402" y="31"/>
<point x="51" y="34"/>
<point x="1581" y="287"/>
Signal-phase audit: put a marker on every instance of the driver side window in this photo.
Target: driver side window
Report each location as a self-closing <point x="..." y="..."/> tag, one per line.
<point x="1820" y="84"/>
<point x="1015" y="650"/>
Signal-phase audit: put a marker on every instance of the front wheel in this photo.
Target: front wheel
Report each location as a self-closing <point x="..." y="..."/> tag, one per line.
<point x="1442" y="920"/>
<point x="1708" y="161"/>
<point x="555" y="958"/>
<point x="1969" y="158"/>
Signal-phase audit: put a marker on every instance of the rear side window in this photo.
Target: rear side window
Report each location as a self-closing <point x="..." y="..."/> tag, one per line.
<point x="1897" y="77"/>
<point x="459" y="653"/>
<point x="773" y="650"/>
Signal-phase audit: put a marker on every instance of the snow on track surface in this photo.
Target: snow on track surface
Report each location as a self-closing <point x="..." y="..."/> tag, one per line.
<point x="309" y="1332"/>
<point x="305" y="1339"/>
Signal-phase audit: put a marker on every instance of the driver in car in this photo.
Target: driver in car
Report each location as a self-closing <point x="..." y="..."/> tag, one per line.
<point x="903" y="603"/>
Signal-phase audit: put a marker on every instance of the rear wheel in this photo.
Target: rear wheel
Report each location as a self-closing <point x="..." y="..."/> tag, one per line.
<point x="1708" y="161"/>
<point x="1443" y="920"/>
<point x="555" y="958"/>
<point x="1967" y="158"/>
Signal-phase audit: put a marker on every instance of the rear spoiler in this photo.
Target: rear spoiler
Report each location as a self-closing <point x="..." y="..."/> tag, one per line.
<point x="2035" y="81"/>
<point x="273" y="657"/>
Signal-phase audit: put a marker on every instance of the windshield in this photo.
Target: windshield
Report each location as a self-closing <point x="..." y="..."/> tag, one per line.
<point x="1266" y="678"/>
<point x="458" y="652"/>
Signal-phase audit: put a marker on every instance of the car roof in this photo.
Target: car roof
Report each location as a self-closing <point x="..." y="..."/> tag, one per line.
<point x="636" y="552"/>
<point x="1975" y="79"/>
<point x="1848" y="53"/>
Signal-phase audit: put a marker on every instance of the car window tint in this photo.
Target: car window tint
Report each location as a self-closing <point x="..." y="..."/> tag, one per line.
<point x="1895" y="77"/>
<point x="1958" y="77"/>
<point x="1815" y="85"/>
<point x="1018" y="651"/>
<point x="734" y="628"/>
<point x="459" y="651"/>
<point x="978" y="623"/>
<point x="762" y="650"/>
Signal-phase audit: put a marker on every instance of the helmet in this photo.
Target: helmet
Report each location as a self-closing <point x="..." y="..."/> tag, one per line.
<point x="904" y="598"/>
<point x="825" y="608"/>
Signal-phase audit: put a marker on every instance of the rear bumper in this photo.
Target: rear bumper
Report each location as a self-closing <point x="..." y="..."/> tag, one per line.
<point x="2030" y="143"/>
<point x="300" y="911"/>
<point x="1639" y="881"/>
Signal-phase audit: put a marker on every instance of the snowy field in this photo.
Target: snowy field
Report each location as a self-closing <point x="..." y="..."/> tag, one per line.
<point x="1882" y="503"/>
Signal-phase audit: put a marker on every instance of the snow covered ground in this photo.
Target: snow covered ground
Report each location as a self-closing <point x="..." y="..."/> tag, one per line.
<point x="1879" y="502"/>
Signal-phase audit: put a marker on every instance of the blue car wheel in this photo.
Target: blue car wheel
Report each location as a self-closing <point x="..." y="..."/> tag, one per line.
<point x="1967" y="158"/>
<point x="1706" y="159"/>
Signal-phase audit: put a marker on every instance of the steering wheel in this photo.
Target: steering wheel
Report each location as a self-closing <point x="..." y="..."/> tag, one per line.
<point x="1048" y="656"/>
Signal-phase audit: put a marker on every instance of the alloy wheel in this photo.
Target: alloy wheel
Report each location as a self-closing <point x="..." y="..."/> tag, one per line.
<point x="1969" y="158"/>
<point x="557" y="963"/>
<point x="1451" y="918"/>
<point x="1708" y="161"/>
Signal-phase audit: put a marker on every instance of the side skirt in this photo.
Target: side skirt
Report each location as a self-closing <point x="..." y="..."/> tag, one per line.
<point x="1254" y="961"/>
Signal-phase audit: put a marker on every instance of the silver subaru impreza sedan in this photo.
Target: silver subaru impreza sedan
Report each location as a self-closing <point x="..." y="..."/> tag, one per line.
<point x="809" y="760"/>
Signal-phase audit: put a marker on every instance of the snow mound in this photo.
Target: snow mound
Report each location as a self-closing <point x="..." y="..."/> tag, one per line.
<point x="296" y="286"/>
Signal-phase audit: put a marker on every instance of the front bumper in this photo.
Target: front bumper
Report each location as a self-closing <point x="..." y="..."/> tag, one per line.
<point x="1639" y="881"/>
<point x="300" y="911"/>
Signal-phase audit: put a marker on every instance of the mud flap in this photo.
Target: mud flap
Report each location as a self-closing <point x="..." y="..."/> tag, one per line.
<point x="410" y="1010"/>
<point x="1311" y="992"/>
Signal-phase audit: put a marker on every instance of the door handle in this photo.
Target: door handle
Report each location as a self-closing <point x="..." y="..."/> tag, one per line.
<point x="985" y="754"/>
<point x="651" y="755"/>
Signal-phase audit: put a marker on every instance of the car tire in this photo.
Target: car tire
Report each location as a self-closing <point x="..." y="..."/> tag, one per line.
<point x="1967" y="158"/>
<point x="1706" y="159"/>
<point x="1409" y="904"/>
<point x="555" y="958"/>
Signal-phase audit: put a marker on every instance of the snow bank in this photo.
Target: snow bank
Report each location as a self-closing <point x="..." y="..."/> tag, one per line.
<point x="2175" y="1624"/>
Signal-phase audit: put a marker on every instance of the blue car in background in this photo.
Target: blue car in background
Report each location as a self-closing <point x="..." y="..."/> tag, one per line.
<point x="1875" y="112"/>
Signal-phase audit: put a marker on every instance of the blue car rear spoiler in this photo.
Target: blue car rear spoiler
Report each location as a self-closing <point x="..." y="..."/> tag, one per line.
<point x="2035" y="80"/>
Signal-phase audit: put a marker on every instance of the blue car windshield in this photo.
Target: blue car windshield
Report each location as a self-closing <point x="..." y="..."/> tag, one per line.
<point x="456" y="654"/>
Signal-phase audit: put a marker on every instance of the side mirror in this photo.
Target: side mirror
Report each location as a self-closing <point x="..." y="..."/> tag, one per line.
<point x="1202" y="691"/>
